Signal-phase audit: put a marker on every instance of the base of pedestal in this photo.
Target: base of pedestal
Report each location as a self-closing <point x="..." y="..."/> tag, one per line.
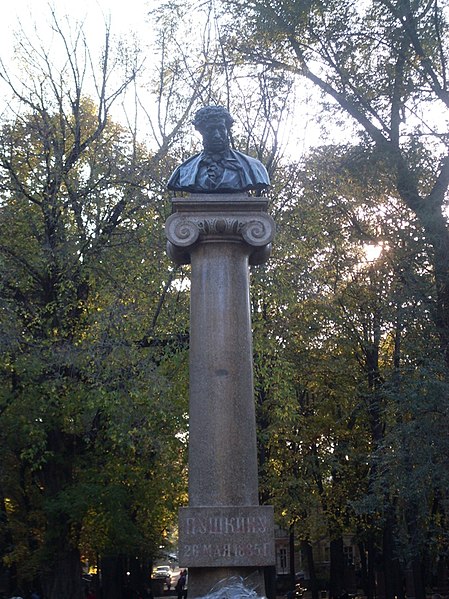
<point x="202" y="581"/>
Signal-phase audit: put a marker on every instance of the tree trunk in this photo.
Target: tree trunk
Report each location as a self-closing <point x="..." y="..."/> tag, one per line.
<point x="337" y="577"/>
<point x="111" y="577"/>
<point x="8" y="574"/>
<point x="270" y="581"/>
<point x="363" y="569"/>
<point x="391" y="567"/>
<point x="371" y="571"/>
<point x="139" y="570"/>
<point x="435" y="226"/>
<point x="291" y="546"/>
<point x="418" y="579"/>
<point x="63" y="580"/>
<point x="306" y="548"/>
<point x="441" y="580"/>
<point x="414" y="580"/>
<point x="61" y="577"/>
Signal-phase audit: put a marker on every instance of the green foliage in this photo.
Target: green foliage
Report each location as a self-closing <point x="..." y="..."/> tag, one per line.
<point x="350" y="349"/>
<point x="88" y="411"/>
<point x="350" y="409"/>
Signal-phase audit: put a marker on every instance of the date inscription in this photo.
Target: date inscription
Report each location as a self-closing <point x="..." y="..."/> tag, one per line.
<point x="227" y="550"/>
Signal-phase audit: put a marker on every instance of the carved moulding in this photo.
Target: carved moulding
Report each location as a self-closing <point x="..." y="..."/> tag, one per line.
<point x="184" y="231"/>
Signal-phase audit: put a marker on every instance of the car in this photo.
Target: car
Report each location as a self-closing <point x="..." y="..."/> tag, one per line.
<point x="162" y="572"/>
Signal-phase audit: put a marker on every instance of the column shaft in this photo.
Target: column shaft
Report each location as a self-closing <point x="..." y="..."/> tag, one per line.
<point x="222" y="434"/>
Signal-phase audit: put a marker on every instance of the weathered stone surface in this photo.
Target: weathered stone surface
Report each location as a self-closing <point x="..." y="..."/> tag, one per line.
<point x="229" y="217"/>
<point x="220" y="235"/>
<point x="226" y="536"/>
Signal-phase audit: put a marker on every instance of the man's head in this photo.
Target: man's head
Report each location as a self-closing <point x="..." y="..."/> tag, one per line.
<point x="214" y="123"/>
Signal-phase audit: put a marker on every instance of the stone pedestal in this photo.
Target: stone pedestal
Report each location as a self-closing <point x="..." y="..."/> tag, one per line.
<point x="224" y="532"/>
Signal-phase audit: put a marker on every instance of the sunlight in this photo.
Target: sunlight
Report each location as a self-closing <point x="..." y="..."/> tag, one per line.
<point x="372" y="251"/>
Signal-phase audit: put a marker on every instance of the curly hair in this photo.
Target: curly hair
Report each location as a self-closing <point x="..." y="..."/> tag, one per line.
<point x="209" y="113"/>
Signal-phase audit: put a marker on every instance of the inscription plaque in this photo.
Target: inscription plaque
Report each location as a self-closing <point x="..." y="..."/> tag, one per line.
<point x="226" y="536"/>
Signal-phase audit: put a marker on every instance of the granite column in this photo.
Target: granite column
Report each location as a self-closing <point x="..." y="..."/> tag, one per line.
<point x="223" y="532"/>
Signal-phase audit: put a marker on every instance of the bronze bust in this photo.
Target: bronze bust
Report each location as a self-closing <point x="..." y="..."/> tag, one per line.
<point x="218" y="168"/>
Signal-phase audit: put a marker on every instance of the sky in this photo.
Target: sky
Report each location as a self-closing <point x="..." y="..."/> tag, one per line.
<point x="125" y="14"/>
<point x="33" y="17"/>
<point x="127" y="17"/>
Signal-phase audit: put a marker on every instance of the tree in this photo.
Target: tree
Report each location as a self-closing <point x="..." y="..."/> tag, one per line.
<point x="339" y="338"/>
<point x="383" y="64"/>
<point x="86" y="399"/>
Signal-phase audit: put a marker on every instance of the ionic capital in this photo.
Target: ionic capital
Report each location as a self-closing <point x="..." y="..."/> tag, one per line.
<point x="185" y="229"/>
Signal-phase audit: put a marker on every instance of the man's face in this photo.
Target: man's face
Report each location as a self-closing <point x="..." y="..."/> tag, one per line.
<point x="215" y="135"/>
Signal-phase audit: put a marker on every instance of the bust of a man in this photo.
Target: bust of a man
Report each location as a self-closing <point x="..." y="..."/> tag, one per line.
<point x="218" y="168"/>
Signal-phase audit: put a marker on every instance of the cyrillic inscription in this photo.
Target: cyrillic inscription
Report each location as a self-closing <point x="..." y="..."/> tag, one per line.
<point x="226" y="536"/>
<point x="218" y="525"/>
